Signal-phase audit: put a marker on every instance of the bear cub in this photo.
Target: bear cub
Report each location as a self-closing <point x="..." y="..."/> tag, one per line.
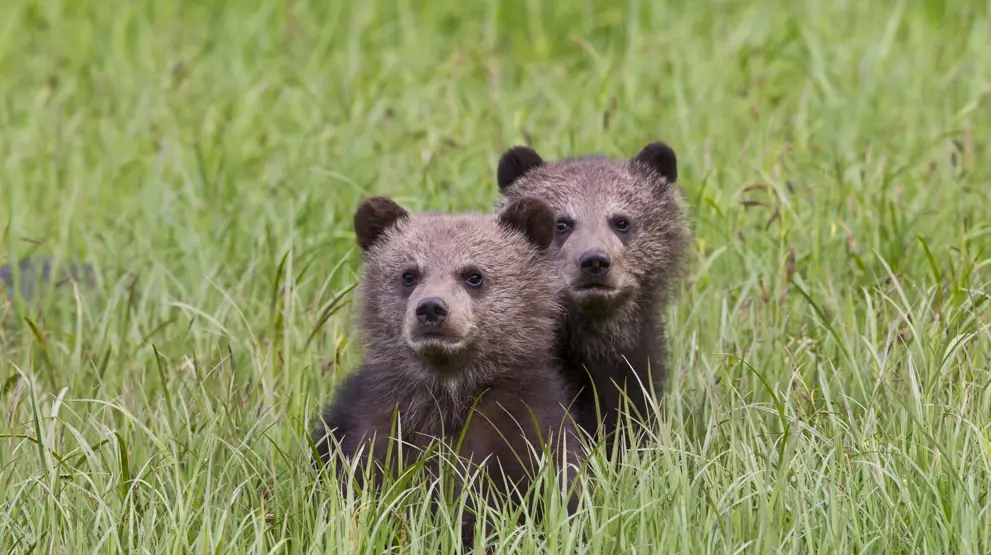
<point x="620" y="248"/>
<point x="454" y="309"/>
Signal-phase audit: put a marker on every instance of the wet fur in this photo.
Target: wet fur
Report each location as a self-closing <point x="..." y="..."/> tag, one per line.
<point x="510" y="369"/>
<point x="599" y="351"/>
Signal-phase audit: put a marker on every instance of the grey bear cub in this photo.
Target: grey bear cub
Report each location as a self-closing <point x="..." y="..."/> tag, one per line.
<point x="454" y="309"/>
<point x="620" y="247"/>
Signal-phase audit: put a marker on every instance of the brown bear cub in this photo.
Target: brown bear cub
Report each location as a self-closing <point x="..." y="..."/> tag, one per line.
<point x="454" y="309"/>
<point x="620" y="245"/>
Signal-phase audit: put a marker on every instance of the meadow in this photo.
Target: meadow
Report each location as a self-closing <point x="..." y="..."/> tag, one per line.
<point x="831" y="383"/>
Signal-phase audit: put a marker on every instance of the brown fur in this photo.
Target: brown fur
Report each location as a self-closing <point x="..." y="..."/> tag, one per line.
<point x="610" y="337"/>
<point x="497" y="344"/>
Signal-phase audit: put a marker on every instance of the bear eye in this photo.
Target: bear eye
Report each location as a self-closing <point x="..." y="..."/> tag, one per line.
<point x="409" y="278"/>
<point x="474" y="278"/>
<point x="622" y="225"/>
<point x="563" y="225"/>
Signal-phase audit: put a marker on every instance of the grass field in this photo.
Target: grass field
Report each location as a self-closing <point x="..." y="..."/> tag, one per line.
<point x="831" y="390"/>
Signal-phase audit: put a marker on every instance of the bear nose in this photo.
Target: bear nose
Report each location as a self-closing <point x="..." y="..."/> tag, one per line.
<point x="431" y="311"/>
<point x="595" y="263"/>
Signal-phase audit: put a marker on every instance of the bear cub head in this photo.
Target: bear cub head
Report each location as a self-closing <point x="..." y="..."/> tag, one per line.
<point x="620" y="232"/>
<point x="451" y="295"/>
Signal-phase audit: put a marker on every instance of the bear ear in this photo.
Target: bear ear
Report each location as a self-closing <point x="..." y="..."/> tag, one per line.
<point x="373" y="216"/>
<point x="533" y="218"/>
<point x="514" y="163"/>
<point x="661" y="158"/>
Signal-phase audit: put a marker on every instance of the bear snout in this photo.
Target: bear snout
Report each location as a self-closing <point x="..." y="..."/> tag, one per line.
<point x="431" y="311"/>
<point x="438" y="322"/>
<point x="594" y="263"/>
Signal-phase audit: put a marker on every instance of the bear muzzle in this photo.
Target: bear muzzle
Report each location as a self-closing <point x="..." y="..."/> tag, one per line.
<point x="436" y="329"/>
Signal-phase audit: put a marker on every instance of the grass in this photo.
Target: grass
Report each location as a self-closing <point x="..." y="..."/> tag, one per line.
<point x="832" y="351"/>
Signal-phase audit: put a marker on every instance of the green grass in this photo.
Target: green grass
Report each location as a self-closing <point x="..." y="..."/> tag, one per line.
<point x="831" y="390"/>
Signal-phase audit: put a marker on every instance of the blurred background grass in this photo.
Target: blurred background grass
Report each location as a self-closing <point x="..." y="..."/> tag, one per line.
<point x="831" y="348"/>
